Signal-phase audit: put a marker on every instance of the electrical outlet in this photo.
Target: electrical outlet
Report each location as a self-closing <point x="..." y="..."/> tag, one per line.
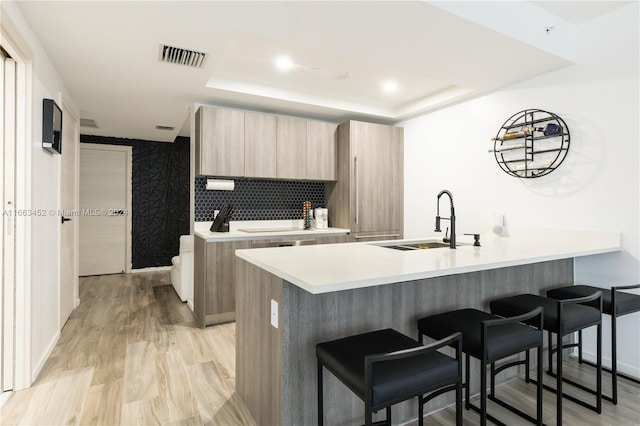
<point x="274" y="313"/>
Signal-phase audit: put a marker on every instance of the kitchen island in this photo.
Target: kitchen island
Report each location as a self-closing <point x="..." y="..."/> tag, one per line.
<point x="317" y="293"/>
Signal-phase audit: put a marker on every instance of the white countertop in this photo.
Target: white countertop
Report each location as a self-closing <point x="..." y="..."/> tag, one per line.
<point x="326" y="268"/>
<point x="268" y="228"/>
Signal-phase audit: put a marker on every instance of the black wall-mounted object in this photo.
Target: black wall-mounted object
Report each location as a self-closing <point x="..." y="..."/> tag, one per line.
<point x="51" y="126"/>
<point x="531" y="143"/>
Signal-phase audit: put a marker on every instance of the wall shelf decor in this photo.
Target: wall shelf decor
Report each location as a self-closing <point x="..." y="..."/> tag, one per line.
<point x="531" y="143"/>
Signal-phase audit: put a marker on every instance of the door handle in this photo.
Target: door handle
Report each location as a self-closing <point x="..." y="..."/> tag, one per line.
<point x="355" y="175"/>
<point x="65" y="219"/>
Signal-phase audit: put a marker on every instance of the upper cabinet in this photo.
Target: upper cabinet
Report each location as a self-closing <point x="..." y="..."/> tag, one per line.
<point x="259" y="145"/>
<point x="368" y="195"/>
<point x="233" y="143"/>
<point x="291" y="154"/>
<point x="219" y="142"/>
<point x="322" y="146"/>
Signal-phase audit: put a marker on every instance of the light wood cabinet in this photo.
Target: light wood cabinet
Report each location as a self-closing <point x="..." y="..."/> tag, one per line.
<point x="215" y="281"/>
<point x="219" y="142"/>
<point x="233" y="143"/>
<point x="321" y="151"/>
<point x="259" y="145"/>
<point x="368" y="196"/>
<point x="291" y="155"/>
<point x="214" y="274"/>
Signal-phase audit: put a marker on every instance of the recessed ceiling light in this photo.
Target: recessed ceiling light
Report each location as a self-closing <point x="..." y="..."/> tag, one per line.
<point x="284" y="63"/>
<point x="390" y="86"/>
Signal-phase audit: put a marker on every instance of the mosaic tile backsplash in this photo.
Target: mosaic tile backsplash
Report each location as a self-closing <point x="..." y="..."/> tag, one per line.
<point x="258" y="199"/>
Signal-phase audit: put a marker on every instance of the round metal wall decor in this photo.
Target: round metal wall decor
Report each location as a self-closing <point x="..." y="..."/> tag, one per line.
<point x="531" y="143"/>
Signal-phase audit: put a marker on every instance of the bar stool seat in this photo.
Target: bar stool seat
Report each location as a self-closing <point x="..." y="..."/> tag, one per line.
<point x="385" y="367"/>
<point x="506" y="340"/>
<point x="561" y="317"/>
<point x="574" y="317"/>
<point x="615" y="303"/>
<point x="490" y="338"/>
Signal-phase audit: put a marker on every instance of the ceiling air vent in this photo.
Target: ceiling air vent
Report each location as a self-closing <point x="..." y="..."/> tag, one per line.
<point x="88" y="122"/>
<point x="164" y="127"/>
<point x="177" y="55"/>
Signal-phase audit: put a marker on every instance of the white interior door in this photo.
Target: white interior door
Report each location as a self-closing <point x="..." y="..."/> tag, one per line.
<point x="7" y="250"/>
<point x="105" y="199"/>
<point x="69" y="217"/>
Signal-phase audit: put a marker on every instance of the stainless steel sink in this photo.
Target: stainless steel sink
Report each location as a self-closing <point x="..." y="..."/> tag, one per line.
<point x="422" y="246"/>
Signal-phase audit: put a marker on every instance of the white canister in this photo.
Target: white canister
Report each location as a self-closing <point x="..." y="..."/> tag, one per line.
<point x="321" y="216"/>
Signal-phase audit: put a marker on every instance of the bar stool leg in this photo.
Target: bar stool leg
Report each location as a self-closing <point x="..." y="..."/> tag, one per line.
<point x="320" y="396"/>
<point x="467" y="391"/>
<point x="599" y="372"/>
<point x="539" y="384"/>
<point x="580" y="347"/>
<point x="459" y="403"/>
<point x="420" y="410"/>
<point x="493" y="379"/>
<point x="550" y="346"/>
<point x="558" y="378"/>
<point x="614" y="357"/>
<point x="483" y="392"/>
<point x="389" y="416"/>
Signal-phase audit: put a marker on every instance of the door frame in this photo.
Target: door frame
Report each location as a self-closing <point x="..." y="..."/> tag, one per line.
<point x="127" y="150"/>
<point x="68" y="109"/>
<point x="19" y="50"/>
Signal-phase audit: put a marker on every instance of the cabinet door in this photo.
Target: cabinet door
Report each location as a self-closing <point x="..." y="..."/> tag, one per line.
<point x="219" y="142"/>
<point x="221" y="280"/>
<point x="332" y="239"/>
<point x="377" y="185"/>
<point x="291" y="154"/>
<point x="259" y="145"/>
<point x="321" y="151"/>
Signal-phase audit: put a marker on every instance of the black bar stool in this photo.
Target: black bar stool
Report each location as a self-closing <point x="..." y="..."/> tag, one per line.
<point x="490" y="338"/>
<point x="561" y="317"/>
<point x="614" y="303"/>
<point x="385" y="367"/>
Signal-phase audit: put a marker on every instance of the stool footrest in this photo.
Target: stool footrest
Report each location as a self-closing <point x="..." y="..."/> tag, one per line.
<point x="499" y="369"/>
<point x="574" y="383"/>
<point x="439" y="392"/>
<point x="513" y="409"/>
<point x="571" y="398"/>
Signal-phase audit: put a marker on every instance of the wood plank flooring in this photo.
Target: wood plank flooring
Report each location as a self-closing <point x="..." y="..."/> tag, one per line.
<point x="131" y="354"/>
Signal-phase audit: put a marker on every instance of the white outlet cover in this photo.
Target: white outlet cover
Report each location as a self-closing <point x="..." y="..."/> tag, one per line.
<point x="274" y="313"/>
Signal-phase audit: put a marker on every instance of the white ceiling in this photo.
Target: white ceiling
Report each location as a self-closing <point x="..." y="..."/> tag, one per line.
<point x="107" y="54"/>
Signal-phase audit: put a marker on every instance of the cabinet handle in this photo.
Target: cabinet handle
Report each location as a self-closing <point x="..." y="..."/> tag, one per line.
<point x="376" y="236"/>
<point x="355" y="174"/>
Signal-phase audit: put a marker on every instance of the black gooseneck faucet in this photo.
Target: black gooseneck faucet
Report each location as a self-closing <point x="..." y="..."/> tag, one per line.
<point x="452" y="219"/>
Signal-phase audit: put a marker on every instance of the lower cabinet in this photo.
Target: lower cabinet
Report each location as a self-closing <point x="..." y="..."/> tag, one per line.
<point x="214" y="280"/>
<point x="214" y="274"/>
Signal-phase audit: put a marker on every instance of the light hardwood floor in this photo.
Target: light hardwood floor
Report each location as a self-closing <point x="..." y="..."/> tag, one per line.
<point x="130" y="354"/>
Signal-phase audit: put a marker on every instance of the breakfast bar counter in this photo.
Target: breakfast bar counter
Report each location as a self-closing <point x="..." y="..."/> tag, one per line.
<point x="290" y="298"/>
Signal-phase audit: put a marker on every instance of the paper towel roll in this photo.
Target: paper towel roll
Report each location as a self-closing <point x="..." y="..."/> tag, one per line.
<point x="220" y="185"/>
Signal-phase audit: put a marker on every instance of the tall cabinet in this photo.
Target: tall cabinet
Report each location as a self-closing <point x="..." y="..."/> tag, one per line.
<point x="368" y="195"/>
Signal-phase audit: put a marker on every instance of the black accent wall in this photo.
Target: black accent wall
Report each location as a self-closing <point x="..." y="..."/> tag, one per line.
<point x="160" y="197"/>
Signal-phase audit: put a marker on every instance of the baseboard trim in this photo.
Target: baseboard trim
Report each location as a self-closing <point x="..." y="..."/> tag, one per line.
<point x="628" y="369"/>
<point x="45" y="357"/>
<point x="154" y="269"/>
<point x="5" y="397"/>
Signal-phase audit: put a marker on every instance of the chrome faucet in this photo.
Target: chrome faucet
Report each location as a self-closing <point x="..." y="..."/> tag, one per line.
<point x="452" y="219"/>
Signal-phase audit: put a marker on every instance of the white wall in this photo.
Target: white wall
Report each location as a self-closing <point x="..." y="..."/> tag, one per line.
<point x="45" y="194"/>
<point x="598" y="185"/>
